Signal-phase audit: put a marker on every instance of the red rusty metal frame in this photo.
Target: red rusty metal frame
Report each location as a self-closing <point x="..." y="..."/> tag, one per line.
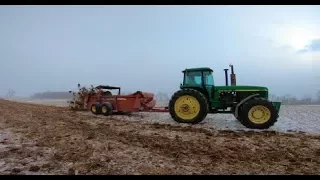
<point x="135" y="102"/>
<point x="136" y="105"/>
<point x="128" y="103"/>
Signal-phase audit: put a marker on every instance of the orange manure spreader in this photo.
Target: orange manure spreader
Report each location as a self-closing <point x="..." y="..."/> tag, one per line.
<point x="101" y="101"/>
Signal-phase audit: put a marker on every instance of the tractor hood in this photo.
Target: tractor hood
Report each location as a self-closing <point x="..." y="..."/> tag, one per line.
<point x="241" y="88"/>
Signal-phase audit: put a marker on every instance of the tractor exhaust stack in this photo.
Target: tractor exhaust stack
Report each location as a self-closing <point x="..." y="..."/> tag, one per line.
<point x="232" y="76"/>
<point x="226" y="75"/>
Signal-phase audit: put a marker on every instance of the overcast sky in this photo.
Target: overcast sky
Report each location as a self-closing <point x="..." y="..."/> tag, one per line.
<point x="146" y="47"/>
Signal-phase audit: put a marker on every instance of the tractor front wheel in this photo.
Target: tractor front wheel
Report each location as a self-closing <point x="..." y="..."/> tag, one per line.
<point x="258" y="114"/>
<point x="188" y="106"/>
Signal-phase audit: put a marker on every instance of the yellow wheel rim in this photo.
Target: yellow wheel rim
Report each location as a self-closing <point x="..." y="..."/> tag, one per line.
<point x="187" y="107"/>
<point x="104" y="109"/>
<point x="259" y="114"/>
<point x="93" y="109"/>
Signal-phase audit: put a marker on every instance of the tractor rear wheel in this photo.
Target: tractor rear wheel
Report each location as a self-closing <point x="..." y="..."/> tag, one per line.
<point x="258" y="114"/>
<point x="188" y="106"/>
<point x="106" y="109"/>
<point x="95" y="108"/>
<point x="239" y="113"/>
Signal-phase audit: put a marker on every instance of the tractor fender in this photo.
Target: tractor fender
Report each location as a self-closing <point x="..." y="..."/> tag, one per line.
<point x="243" y="101"/>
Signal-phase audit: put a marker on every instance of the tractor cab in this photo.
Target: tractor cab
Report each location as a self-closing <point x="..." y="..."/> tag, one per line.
<point x="200" y="79"/>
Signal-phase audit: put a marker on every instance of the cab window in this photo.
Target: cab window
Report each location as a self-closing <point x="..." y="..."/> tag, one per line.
<point x="208" y="78"/>
<point x="193" y="78"/>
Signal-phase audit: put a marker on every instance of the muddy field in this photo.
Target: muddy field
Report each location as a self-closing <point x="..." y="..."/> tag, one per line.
<point x="39" y="139"/>
<point x="293" y="118"/>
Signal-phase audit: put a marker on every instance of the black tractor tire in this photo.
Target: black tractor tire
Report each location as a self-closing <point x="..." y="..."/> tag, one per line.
<point x="204" y="106"/>
<point x="95" y="108"/>
<point x="239" y="112"/>
<point x="106" y="109"/>
<point x="245" y="109"/>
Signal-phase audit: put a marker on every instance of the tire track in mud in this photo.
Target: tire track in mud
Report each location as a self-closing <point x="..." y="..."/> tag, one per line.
<point x="109" y="146"/>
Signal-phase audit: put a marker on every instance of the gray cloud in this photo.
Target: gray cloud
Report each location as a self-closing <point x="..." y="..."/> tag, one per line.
<point x="312" y="47"/>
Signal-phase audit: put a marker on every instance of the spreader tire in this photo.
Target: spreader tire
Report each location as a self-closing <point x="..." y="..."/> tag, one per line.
<point x="95" y="108"/>
<point x="106" y="109"/>
<point x="188" y="106"/>
<point x="258" y="114"/>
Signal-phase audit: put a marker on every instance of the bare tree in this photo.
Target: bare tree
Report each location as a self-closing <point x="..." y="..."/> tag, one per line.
<point x="318" y="96"/>
<point x="11" y="93"/>
<point x="307" y="99"/>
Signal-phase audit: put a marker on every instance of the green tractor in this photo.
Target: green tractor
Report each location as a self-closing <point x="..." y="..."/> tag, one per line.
<point x="198" y="96"/>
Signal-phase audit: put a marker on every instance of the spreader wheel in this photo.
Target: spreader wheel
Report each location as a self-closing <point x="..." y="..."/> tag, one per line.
<point x="106" y="109"/>
<point x="188" y="106"/>
<point x="258" y="114"/>
<point x="95" y="108"/>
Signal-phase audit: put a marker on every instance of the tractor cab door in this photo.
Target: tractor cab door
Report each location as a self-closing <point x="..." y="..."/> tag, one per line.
<point x="208" y="83"/>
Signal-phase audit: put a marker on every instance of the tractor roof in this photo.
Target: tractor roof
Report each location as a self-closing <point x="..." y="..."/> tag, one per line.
<point x="198" y="69"/>
<point x="106" y="87"/>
